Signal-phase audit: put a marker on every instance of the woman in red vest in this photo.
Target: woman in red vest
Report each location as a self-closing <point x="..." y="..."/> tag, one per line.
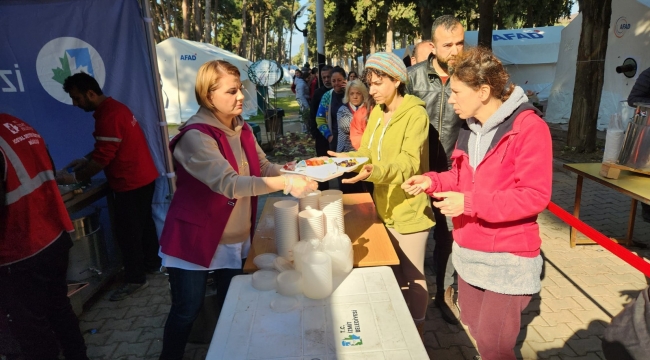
<point x="220" y="171"/>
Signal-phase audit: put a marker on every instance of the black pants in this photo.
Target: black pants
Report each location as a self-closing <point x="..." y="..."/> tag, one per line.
<point x="34" y="294"/>
<point x="136" y="233"/>
<point x="441" y="252"/>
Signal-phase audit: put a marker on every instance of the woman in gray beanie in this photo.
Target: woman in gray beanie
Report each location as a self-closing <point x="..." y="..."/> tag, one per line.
<point x="396" y="143"/>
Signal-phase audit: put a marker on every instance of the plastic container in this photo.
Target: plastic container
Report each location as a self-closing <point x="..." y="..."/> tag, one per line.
<point x="317" y="275"/>
<point x="289" y="283"/>
<point x="265" y="280"/>
<point x="265" y="261"/>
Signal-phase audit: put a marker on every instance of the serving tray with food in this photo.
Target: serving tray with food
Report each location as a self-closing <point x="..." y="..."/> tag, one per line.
<point x="324" y="168"/>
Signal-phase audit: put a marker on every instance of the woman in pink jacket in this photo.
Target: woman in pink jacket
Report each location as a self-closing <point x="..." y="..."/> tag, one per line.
<point x="499" y="182"/>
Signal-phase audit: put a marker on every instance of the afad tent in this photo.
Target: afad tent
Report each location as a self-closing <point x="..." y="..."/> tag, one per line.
<point x="629" y="37"/>
<point x="529" y="55"/>
<point x="178" y="62"/>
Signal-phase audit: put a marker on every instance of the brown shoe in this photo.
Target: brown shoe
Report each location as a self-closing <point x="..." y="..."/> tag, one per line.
<point x="448" y="308"/>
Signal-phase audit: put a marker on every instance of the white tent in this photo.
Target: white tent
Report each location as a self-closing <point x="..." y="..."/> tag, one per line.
<point x="629" y="37"/>
<point x="178" y="62"/>
<point x="529" y="55"/>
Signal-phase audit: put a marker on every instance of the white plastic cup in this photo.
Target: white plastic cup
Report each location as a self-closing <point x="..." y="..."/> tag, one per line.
<point x="301" y="249"/>
<point x="331" y="192"/>
<point x="317" y="275"/>
<point x="332" y="207"/>
<point x="311" y="201"/>
<point x="311" y="224"/>
<point x="286" y="227"/>
<point x="290" y="283"/>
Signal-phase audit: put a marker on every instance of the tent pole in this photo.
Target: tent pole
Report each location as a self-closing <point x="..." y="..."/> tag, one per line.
<point x="169" y="168"/>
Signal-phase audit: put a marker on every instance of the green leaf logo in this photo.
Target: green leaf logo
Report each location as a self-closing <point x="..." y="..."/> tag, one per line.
<point x="62" y="73"/>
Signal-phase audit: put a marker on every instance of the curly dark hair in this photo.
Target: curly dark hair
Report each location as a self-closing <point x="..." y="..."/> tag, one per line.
<point x="367" y="73"/>
<point x="479" y="66"/>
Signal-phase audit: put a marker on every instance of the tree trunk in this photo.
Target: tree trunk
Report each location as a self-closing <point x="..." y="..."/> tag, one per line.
<point x="242" y="44"/>
<point x="590" y="69"/>
<point x="280" y="31"/>
<point x="198" y="23"/>
<point x="186" y="19"/>
<point x="530" y="11"/>
<point x="373" y="37"/>
<point x="389" y="34"/>
<point x="207" y="36"/>
<point x="155" y="18"/>
<point x="426" y="20"/>
<point x="251" y="54"/>
<point x="174" y="20"/>
<point x="215" y="25"/>
<point x="486" y="21"/>
<point x="266" y="37"/>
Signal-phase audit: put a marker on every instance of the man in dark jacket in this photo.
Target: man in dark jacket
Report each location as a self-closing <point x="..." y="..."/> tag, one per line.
<point x="322" y="145"/>
<point x="641" y="94"/>
<point x="429" y="80"/>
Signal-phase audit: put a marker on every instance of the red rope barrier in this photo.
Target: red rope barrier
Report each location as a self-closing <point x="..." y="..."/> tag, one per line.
<point x="602" y="240"/>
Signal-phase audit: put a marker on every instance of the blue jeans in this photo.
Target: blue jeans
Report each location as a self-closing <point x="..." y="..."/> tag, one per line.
<point x="188" y="292"/>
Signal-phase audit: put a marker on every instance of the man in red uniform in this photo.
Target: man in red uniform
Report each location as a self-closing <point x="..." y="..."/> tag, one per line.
<point x="34" y="246"/>
<point x="121" y="151"/>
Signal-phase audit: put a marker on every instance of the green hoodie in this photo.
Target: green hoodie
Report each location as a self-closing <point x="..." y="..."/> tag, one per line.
<point x="397" y="154"/>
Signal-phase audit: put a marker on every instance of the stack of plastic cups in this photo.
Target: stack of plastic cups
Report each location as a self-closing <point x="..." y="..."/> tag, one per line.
<point x="310" y="201"/>
<point x="332" y="207"/>
<point x="286" y="227"/>
<point x="317" y="275"/>
<point x="311" y="224"/>
<point x="301" y="249"/>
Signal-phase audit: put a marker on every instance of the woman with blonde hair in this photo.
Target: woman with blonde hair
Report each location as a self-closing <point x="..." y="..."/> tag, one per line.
<point x="220" y="172"/>
<point x="499" y="182"/>
<point x="395" y="142"/>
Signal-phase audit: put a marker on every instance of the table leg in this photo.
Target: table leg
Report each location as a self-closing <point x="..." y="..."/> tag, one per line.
<point x="630" y="223"/>
<point x="576" y="210"/>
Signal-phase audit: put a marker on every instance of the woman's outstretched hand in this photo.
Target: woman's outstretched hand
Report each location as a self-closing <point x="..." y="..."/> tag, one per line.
<point x="453" y="203"/>
<point x="363" y="174"/>
<point x="416" y="184"/>
<point x="335" y="154"/>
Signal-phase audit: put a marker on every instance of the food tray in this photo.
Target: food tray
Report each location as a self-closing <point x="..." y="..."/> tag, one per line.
<point x="327" y="172"/>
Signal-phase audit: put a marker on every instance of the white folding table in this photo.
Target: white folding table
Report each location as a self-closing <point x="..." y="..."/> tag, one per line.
<point x="365" y="318"/>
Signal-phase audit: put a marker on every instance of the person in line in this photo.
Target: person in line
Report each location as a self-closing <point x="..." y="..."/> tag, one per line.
<point x="360" y="121"/>
<point x="34" y="244"/>
<point x="302" y="97"/>
<point x="429" y="80"/>
<point x="221" y="170"/>
<point x="327" y="114"/>
<point x="121" y="150"/>
<point x="395" y="142"/>
<point x="297" y="74"/>
<point x="354" y="100"/>
<point x="321" y="143"/>
<point x="421" y="52"/>
<point x="641" y="94"/>
<point x="313" y="83"/>
<point x="352" y="75"/>
<point x="500" y="180"/>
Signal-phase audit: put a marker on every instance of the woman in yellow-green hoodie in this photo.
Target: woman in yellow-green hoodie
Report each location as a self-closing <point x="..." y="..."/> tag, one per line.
<point x="395" y="141"/>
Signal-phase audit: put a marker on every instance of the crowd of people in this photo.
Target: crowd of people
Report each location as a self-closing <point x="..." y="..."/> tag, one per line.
<point x="451" y="144"/>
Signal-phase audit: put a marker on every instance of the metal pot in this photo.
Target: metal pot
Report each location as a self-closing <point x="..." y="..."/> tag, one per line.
<point x="88" y="253"/>
<point x="635" y="151"/>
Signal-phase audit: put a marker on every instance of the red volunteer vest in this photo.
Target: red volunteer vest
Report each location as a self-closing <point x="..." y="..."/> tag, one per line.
<point x="34" y="214"/>
<point x="197" y="215"/>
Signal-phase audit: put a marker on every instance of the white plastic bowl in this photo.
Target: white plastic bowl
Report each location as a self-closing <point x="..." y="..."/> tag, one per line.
<point x="290" y="283"/>
<point x="265" y="261"/>
<point x="265" y="280"/>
